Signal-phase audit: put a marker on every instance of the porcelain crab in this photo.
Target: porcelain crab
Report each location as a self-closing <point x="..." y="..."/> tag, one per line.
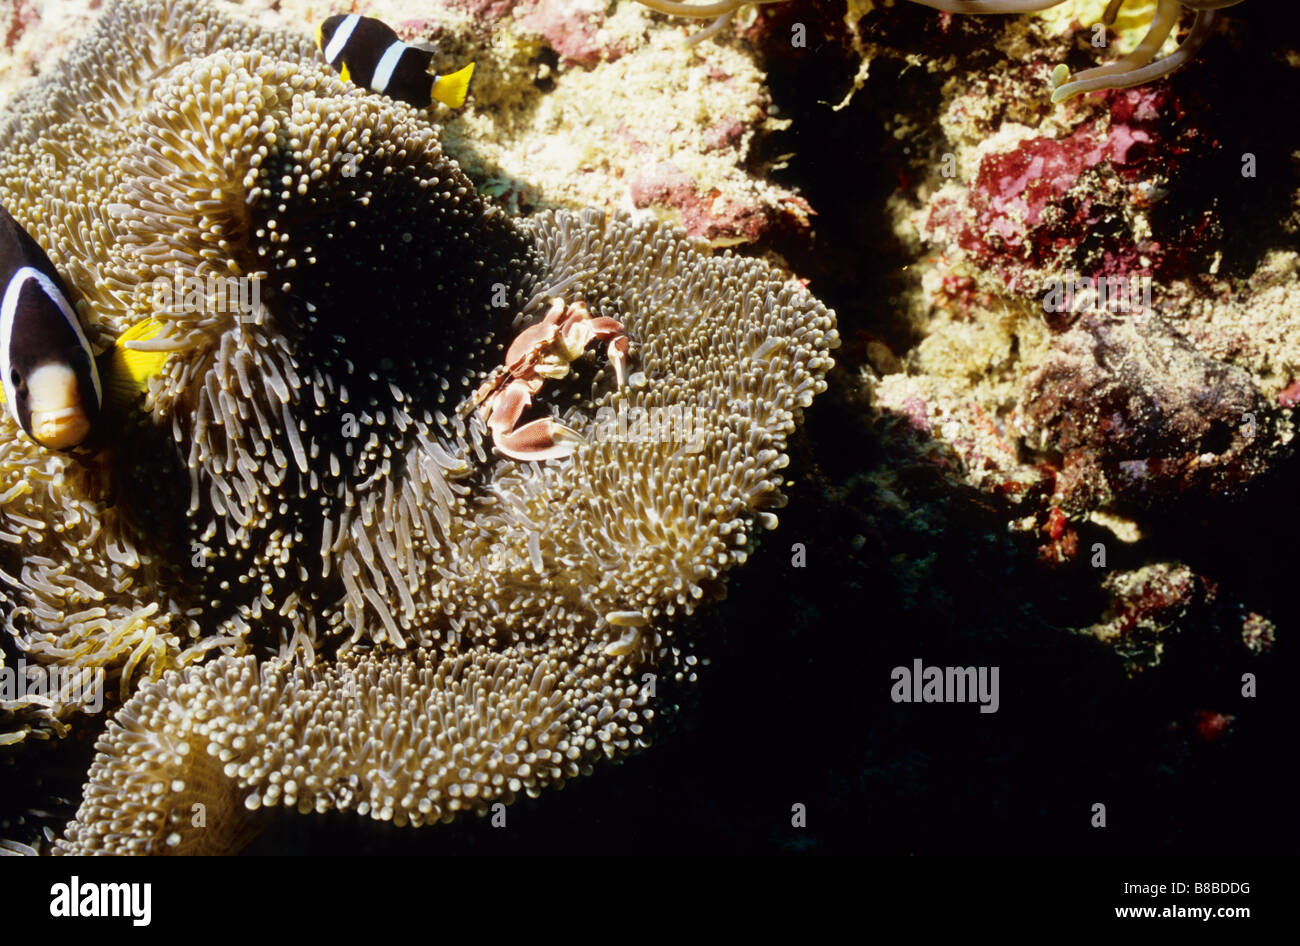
<point x="539" y="353"/>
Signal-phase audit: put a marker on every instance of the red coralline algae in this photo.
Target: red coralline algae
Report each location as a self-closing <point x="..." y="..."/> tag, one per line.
<point x="485" y="9"/>
<point x="1211" y="725"/>
<point x="724" y="134"/>
<point x="718" y="217"/>
<point x="1019" y="206"/>
<point x="418" y="30"/>
<point x="1069" y="202"/>
<point x="667" y="184"/>
<point x="1290" y="395"/>
<point x="572" y="30"/>
<point x="1062" y="539"/>
<point x="21" y="15"/>
<point x="575" y="32"/>
<point x="736" y="218"/>
<point x="918" y="416"/>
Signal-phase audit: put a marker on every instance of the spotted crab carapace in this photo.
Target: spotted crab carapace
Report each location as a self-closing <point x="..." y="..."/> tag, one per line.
<point x="539" y="353"/>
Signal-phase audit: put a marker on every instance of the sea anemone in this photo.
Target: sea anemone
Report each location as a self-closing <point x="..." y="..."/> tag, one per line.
<point x="307" y="505"/>
<point x="1135" y="68"/>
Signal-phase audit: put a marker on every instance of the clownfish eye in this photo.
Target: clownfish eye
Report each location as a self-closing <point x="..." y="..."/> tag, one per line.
<point x="16" y="379"/>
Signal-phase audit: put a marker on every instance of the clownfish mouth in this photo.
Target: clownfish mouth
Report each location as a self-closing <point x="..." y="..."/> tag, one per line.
<point x="57" y="418"/>
<point x="62" y="429"/>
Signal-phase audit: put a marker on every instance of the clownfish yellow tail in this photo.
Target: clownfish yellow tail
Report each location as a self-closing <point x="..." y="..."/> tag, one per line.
<point x="451" y="90"/>
<point x="130" y="367"/>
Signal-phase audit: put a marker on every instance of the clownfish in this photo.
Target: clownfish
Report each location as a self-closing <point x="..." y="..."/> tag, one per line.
<point x="51" y="377"/>
<point x="369" y="53"/>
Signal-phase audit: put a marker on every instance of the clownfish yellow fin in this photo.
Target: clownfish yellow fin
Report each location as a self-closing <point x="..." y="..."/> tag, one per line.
<point x="128" y="370"/>
<point x="451" y="90"/>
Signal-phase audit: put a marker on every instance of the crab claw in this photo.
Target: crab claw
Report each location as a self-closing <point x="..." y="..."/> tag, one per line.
<point x="618" y="358"/>
<point x="543" y="439"/>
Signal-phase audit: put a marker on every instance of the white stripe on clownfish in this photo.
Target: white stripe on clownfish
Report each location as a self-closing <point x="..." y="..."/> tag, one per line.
<point x="387" y="63"/>
<point x="341" y="37"/>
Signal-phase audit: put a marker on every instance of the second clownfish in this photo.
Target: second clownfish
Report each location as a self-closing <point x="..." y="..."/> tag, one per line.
<point x="369" y="53"/>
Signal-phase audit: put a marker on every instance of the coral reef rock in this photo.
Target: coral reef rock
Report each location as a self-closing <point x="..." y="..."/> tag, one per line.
<point x="1139" y="415"/>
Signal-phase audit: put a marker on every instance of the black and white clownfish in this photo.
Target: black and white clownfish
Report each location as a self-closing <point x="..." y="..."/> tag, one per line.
<point x="369" y="53"/>
<point x="52" y="378"/>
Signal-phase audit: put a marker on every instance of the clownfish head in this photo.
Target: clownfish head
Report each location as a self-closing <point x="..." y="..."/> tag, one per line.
<point x="50" y="381"/>
<point x="325" y="35"/>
